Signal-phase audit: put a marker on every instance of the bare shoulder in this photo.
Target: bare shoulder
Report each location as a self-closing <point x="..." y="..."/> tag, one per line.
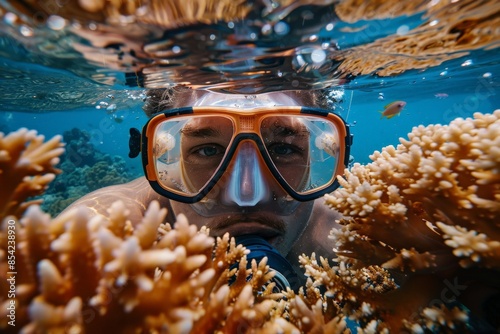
<point x="136" y="195"/>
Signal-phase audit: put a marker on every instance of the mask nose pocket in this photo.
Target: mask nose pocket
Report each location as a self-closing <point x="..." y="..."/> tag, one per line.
<point x="246" y="186"/>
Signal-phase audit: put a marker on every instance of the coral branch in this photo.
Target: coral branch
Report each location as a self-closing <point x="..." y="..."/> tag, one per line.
<point x="26" y="167"/>
<point x="428" y="208"/>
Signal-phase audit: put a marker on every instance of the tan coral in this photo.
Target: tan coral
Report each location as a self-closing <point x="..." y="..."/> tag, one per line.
<point x="443" y="183"/>
<point x="439" y="319"/>
<point x="166" y="14"/>
<point x="474" y="247"/>
<point x="81" y="274"/>
<point x="27" y="165"/>
<point x="94" y="274"/>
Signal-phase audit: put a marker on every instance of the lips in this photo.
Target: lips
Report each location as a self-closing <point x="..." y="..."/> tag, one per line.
<point x="268" y="233"/>
<point x="265" y="225"/>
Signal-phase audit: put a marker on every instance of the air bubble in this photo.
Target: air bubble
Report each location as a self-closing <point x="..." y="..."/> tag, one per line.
<point x="26" y="31"/>
<point x="56" y="22"/>
<point x="266" y="29"/>
<point x="468" y="62"/>
<point x="10" y="18"/>
<point x="281" y="28"/>
<point x="403" y="30"/>
<point x="111" y="107"/>
<point x="318" y="56"/>
<point x="313" y="38"/>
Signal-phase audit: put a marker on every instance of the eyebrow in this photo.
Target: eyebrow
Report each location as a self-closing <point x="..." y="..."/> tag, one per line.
<point x="200" y="132"/>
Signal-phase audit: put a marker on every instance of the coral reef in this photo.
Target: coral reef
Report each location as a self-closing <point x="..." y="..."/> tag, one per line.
<point x="429" y="211"/>
<point x="85" y="169"/>
<point x="418" y="252"/>
<point x="94" y="276"/>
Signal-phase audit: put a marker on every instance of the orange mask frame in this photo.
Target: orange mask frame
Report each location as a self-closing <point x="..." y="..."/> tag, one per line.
<point x="246" y="126"/>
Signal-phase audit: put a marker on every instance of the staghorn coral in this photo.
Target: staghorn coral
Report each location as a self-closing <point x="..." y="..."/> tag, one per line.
<point x="84" y="276"/>
<point x="430" y="210"/>
<point x="27" y="166"/>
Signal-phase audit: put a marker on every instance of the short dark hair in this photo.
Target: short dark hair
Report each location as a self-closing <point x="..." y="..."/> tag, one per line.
<point x="160" y="99"/>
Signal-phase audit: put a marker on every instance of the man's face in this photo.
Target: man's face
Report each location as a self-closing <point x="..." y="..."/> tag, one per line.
<point x="203" y="145"/>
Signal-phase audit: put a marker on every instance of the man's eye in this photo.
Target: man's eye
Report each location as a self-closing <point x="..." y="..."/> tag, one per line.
<point x="209" y="151"/>
<point x="281" y="149"/>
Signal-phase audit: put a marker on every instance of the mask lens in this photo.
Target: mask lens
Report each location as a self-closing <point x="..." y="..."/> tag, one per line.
<point x="304" y="150"/>
<point x="188" y="151"/>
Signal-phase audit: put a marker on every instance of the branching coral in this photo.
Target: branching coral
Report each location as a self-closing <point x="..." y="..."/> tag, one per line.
<point x="431" y="209"/>
<point x="89" y="275"/>
<point x="26" y="167"/>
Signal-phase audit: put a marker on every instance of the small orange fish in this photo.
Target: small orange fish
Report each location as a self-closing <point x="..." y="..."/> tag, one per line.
<point x="392" y="109"/>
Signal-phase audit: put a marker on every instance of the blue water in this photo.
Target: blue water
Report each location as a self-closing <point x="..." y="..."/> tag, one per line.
<point x="106" y="134"/>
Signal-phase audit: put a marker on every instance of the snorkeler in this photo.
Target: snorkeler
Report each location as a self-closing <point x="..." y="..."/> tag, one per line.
<point x="244" y="165"/>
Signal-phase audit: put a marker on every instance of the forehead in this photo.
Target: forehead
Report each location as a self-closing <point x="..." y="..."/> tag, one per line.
<point x="245" y="101"/>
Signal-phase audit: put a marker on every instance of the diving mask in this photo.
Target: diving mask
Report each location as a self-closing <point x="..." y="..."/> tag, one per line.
<point x="216" y="156"/>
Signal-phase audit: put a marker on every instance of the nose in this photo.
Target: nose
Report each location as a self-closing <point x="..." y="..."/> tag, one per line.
<point x="246" y="186"/>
